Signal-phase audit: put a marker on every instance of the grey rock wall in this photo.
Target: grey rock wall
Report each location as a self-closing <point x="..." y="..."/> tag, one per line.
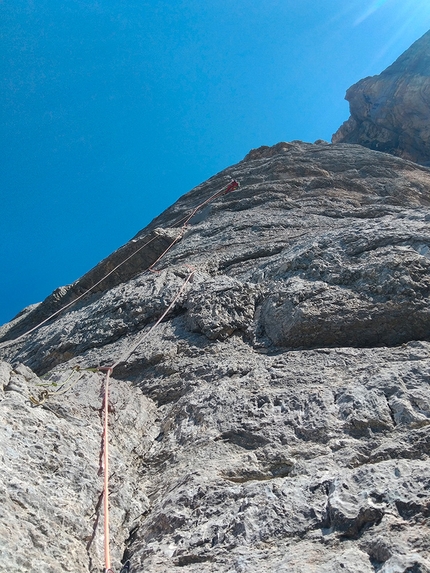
<point x="277" y="420"/>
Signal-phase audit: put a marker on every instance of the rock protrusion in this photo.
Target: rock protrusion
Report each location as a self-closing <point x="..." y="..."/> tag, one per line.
<point x="391" y="112"/>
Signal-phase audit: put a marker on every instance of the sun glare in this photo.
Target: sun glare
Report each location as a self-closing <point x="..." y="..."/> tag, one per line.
<point x="370" y="10"/>
<point x="410" y="9"/>
<point x="407" y="18"/>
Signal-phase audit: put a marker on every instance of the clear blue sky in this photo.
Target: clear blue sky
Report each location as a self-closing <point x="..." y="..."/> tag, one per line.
<point x="112" y="109"/>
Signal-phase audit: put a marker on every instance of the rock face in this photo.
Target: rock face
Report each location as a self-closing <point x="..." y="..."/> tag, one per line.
<point x="277" y="420"/>
<point x="391" y="112"/>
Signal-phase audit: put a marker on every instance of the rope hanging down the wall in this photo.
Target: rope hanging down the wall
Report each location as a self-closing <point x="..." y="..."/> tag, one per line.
<point x="105" y="441"/>
<point x="233" y="185"/>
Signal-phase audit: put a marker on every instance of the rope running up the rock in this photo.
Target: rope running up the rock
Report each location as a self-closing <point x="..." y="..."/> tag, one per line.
<point x="123" y="357"/>
<point x="109" y="372"/>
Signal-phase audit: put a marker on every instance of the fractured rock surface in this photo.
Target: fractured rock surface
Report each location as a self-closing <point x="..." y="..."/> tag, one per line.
<point x="390" y="112"/>
<point x="277" y="420"/>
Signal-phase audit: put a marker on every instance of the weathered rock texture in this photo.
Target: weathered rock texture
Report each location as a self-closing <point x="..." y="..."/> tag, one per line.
<point x="391" y="112"/>
<point x="277" y="420"/>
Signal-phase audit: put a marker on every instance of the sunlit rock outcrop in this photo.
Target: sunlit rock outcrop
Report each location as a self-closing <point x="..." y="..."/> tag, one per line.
<point x="391" y="112"/>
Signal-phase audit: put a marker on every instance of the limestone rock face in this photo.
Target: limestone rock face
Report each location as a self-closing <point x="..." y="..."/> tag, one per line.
<point x="391" y="112"/>
<point x="277" y="420"/>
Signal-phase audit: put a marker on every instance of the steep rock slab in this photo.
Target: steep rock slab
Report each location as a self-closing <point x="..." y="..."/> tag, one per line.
<point x="241" y="441"/>
<point x="323" y="245"/>
<point x="51" y="484"/>
<point x="391" y="112"/>
<point x="296" y="461"/>
<point x="290" y="462"/>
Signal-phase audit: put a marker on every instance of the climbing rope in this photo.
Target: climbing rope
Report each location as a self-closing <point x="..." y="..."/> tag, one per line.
<point x="105" y="440"/>
<point x="45" y="394"/>
<point x="74" y="301"/>
<point x="106" y="470"/>
<point x="123" y="358"/>
<point x="126" y="355"/>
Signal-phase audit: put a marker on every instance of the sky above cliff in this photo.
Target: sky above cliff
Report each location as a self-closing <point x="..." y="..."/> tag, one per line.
<point x="113" y="109"/>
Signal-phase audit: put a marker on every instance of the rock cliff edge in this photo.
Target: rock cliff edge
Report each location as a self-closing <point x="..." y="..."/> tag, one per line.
<point x="277" y="420"/>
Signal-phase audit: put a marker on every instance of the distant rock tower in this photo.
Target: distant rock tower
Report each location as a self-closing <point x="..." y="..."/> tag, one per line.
<point x="391" y="112"/>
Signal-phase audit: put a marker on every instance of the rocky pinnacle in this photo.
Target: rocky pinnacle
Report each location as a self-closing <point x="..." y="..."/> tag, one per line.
<point x="391" y="112"/>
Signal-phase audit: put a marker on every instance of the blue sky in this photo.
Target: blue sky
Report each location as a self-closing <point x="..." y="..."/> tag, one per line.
<point x="112" y="109"/>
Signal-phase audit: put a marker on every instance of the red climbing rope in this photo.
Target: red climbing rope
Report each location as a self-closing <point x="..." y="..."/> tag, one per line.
<point x="106" y="471"/>
<point x="230" y="187"/>
<point x="105" y="440"/>
<point x="133" y="347"/>
<point x="188" y="217"/>
<point x="74" y="301"/>
<point x="125" y="355"/>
